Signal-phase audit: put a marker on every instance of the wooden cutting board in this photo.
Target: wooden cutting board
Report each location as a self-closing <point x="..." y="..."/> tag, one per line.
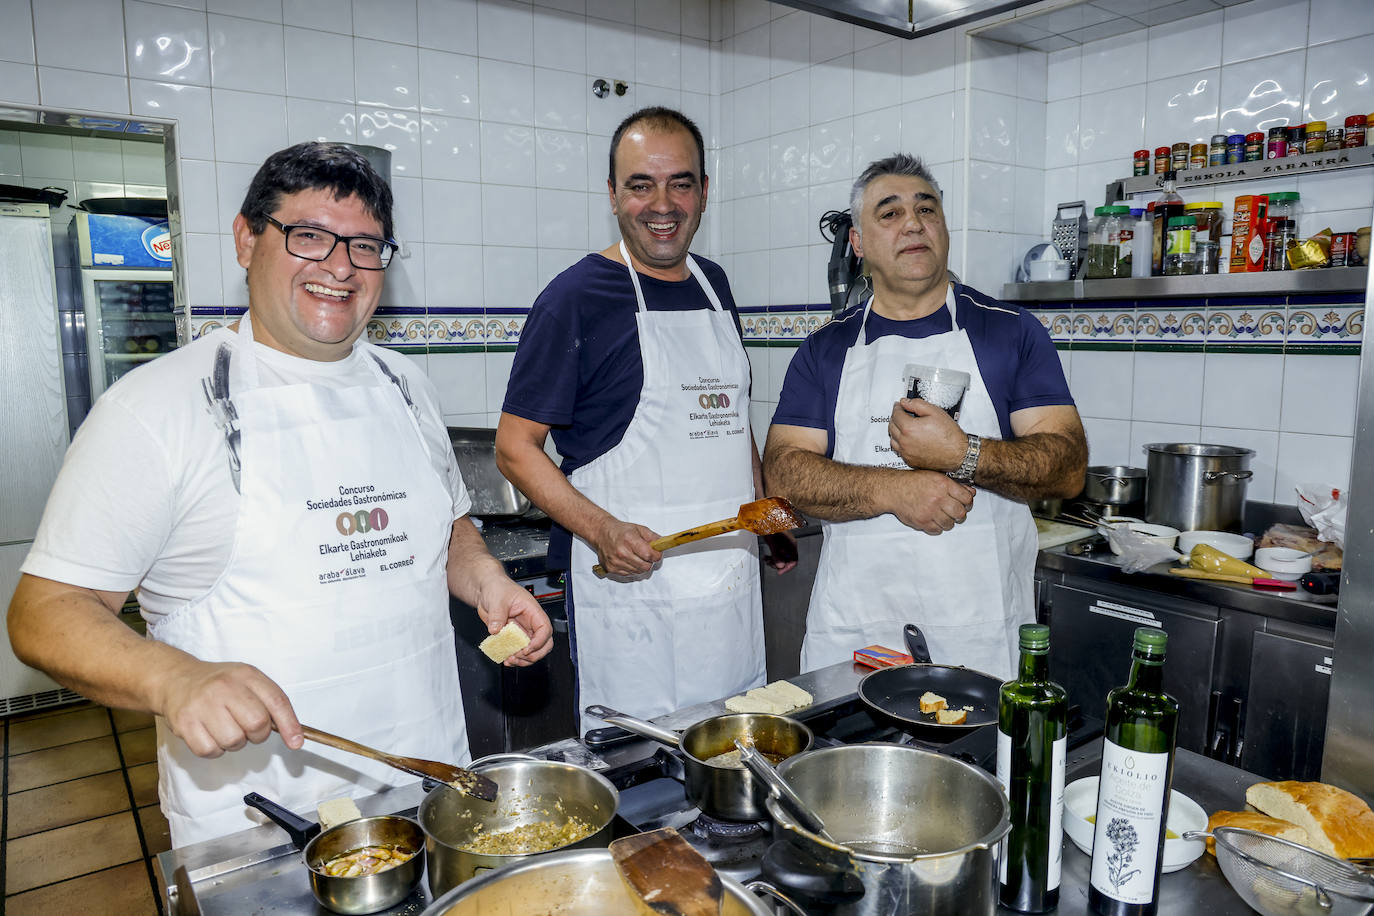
<point x="1053" y="534"/>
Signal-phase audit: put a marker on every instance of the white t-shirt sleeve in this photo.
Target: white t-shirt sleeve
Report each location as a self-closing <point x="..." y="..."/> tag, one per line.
<point x="110" y="511"/>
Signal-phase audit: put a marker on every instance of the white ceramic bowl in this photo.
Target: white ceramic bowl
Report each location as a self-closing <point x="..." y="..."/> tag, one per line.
<point x="1159" y="534"/>
<point x="1283" y="562"/>
<point x="1045" y="269"/>
<point x="1080" y="803"/>
<point x="1234" y="545"/>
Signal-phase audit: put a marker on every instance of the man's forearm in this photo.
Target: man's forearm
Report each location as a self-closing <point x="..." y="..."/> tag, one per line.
<point x="532" y="471"/>
<point x="825" y="488"/>
<point x="470" y="565"/>
<point x="1037" y="466"/>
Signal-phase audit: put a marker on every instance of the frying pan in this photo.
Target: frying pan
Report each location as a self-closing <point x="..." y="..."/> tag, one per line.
<point x="894" y="693"/>
<point x="125" y="206"/>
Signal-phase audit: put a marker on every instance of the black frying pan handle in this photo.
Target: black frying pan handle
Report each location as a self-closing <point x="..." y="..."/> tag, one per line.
<point x="808" y="877"/>
<point x="301" y="830"/>
<point x="916" y="644"/>
<point x="611" y="734"/>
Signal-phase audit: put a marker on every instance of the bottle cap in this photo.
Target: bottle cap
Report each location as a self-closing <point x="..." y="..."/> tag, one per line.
<point x="1113" y="210"/>
<point x="1151" y="640"/>
<point x="1203" y="205"/>
<point x="1035" y="637"/>
<point x="1284" y="195"/>
<point x="1189" y="221"/>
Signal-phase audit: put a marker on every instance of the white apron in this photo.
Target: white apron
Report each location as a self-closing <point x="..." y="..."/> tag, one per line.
<point x="361" y="650"/>
<point x="968" y="589"/>
<point x="692" y="629"/>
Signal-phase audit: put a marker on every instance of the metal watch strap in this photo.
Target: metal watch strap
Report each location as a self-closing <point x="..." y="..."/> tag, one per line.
<point x="964" y="472"/>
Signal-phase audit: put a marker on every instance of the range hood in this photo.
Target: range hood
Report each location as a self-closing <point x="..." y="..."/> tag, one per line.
<point x="906" y="18"/>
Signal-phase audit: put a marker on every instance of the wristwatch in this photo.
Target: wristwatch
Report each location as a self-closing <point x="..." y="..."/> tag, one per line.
<point x="964" y="472"/>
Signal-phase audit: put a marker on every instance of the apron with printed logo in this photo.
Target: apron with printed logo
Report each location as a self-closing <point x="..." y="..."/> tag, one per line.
<point x="692" y="629"/>
<point x="968" y="589"/>
<point x="335" y="589"/>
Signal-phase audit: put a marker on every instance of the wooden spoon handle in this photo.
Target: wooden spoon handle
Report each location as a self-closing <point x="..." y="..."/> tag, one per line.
<point x="343" y="744"/>
<point x="685" y="537"/>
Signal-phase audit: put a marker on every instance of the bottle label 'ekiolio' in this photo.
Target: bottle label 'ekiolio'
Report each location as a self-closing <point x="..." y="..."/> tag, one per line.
<point x="1130" y="818"/>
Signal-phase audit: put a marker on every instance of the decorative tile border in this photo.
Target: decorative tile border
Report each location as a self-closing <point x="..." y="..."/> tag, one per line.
<point x="781" y="325"/>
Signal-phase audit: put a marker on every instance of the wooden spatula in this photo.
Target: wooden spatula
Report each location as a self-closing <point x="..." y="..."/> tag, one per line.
<point x="466" y="781"/>
<point x="668" y="874"/>
<point x="771" y="515"/>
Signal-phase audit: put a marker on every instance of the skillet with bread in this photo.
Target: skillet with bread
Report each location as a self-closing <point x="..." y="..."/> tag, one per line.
<point x="894" y="694"/>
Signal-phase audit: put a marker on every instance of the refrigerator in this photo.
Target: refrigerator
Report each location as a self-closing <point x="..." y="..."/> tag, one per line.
<point x="33" y="416"/>
<point x="125" y="280"/>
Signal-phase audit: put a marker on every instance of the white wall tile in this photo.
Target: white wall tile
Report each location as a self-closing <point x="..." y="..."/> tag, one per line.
<point x="1109" y="442"/>
<point x="448" y="83"/>
<point x="1259" y="94"/>
<point x="830" y="38"/>
<point x="1062" y="133"/>
<point x="1167" y="387"/>
<point x="1303" y="459"/>
<point x="1182" y="108"/>
<point x="1335" y="20"/>
<point x="1062" y="74"/>
<point x="787" y="271"/>
<point x="1110" y="122"/>
<point x="877" y="134"/>
<point x="663" y="15"/>
<point x="203" y="280"/>
<point x="509" y="281"/>
<point x="928" y="128"/>
<point x="453" y="276"/>
<point x="1248" y="29"/>
<point x="1103" y="383"/>
<point x="246" y="54"/>
<point x="46" y="155"/>
<point x="789" y="43"/>
<point x="990" y="200"/>
<point x="231" y="181"/>
<point x="405" y="280"/>
<point x="749" y="278"/>
<point x="450" y="148"/>
<point x="992" y="126"/>
<point x="561" y="160"/>
<point x="832" y="89"/>
<point x="1144" y="432"/>
<point x="1028" y="201"/>
<point x="79" y="90"/>
<point x="452" y="212"/>
<point x="16" y="40"/>
<point x="789" y="157"/>
<point x="189" y="106"/>
<point x="750" y="57"/>
<point x="497" y="367"/>
<point x="397" y="22"/>
<point x="266" y="10"/>
<point x="396" y="131"/>
<point x="386" y="75"/>
<point x="696" y="19"/>
<point x="506" y="91"/>
<point x="448" y="25"/>
<point x="461" y="380"/>
<point x="1185" y="46"/>
<point x="506" y="215"/>
<point x="19" y="83"/>
<point x="1337" y="85"/>
<point x="329" y="15"/>
<point x="507" y="153"/>
<point x="560" y="41"/>
<point x="167" y="44"/>
<point x="995" y="66"/>
<point x="319" y="65"/>
<point x="97" y="46"/>
<point x="878" y="76"/>
<point x="1116" y="62"/>
<point x="696" y="67"/>
<point x="790" y="221"/>
<point x="561" y="219"/>
<point x="1319" y="394"/>
<point x="1032" y="74"/>
<point x="788" y="107"/>
<point x="1241" y="390"/>
<point x="751" y="117"/>
<point x="658" y="59"/>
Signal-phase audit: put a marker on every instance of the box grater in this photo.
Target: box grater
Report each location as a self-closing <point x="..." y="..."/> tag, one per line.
<point x="1069" y="233"/>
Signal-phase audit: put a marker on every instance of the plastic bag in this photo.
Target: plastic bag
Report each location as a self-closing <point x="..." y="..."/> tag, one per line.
<point x="1137" y="552"/>
<point x="1323" y="507"/>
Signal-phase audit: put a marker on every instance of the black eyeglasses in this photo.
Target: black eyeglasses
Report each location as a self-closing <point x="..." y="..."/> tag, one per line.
<point x="315" y="244"/>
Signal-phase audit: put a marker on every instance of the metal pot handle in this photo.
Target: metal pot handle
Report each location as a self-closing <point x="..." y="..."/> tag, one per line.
<point x="769" y="890"/>
<point x="499" y="758"/>
<point x="638" y="726"/>
<point x="1214" y="476"/>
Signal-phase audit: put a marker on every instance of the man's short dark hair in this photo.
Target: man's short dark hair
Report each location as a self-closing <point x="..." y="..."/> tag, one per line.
<point x="660" y="119"/>
<point x="316" y="166"/>
<point x="896" y="164"/>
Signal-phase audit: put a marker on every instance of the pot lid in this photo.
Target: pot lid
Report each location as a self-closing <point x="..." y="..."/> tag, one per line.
<point x="1199" y="450"/>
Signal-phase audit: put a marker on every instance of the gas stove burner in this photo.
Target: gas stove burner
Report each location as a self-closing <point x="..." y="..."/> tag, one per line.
<point x="707" y="827"/>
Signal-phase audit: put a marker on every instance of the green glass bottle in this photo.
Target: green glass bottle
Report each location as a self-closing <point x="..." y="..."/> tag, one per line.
<point x="1133" y="789"/>
<point x="1032" y="742"/>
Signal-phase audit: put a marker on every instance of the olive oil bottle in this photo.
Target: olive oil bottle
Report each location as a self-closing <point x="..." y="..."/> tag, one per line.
<point x="1133" y="789"/>
<point x="1032" y="716"/>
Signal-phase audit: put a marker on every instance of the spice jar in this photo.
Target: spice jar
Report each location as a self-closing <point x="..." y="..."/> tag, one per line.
<point x="1316" y="136"/>
<point x="1235" y="149"/>
<point x="1297" y="140"/>
<point x="1178" y="157"/>
<point x="1180" y="257"/>
<point x="1278" y="143"/>
<point x="1335" y="138"/>
<point x="1197" y="156"/>
<point x="1354" y="132"/>
<point x="1285" y="205"/>
<point x="1109" y="247"/>
<point x="1216" y="150"/>
<point x="1283" y="235"/>
<point x="1162" y="159"/>
<point x="1254" y="147"/>
<point x="1140" y="162"/>
<point x="1207" y="238"/>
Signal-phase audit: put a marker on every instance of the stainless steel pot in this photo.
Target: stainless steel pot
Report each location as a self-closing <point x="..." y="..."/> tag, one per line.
<point x="730" y="793"/>
<point x="576" y="882"/>
<point x="917" y="832"/>
<point x="1114" y="485"/>
<point x="1193" y="486"/>
<point x="531" y="791"/>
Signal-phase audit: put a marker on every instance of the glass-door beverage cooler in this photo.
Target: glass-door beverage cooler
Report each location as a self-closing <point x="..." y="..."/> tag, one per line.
<point x="126" y="289"/>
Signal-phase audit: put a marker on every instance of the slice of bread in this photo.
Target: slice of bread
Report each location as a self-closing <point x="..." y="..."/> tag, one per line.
<point x="1250" y="820"/>
<point x="755" y="702"/>
<point x="502" y="645"/>
<point x="786" y="690"/>
<point x="932" y="702"/>
<point x="337" y="811"/>
<point x="951" y="716"/>
<point x="1337" y="822"/>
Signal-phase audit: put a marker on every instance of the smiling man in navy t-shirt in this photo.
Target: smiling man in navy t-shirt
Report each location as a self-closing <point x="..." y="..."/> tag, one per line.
<point x="895" y="477"/>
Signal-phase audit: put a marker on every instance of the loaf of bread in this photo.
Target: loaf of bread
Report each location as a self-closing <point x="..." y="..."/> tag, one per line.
<point x="951" y="716"/>
<point x="1252" y="820"/>
<point x="1337" y="822"/>
<point x="777" y="698"/>
<point x="502" y="645"/>
<point x="932" y="702"/>
<point x="337" y="811"/>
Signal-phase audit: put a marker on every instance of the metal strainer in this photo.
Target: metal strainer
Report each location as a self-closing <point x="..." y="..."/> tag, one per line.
<point x="1280" y="878"/>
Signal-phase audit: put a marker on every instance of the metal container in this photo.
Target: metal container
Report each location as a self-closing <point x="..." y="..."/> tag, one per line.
<point x="1114" y="485"/>
<point x="729" y="793"/>
<point x="491" y="493"/>
<point x="917" y="831"/>
<point x="365" y="893"/>
<point x="576" y="882"/>
<point x="1193" y="486"/>
<point x="531" y="791"/>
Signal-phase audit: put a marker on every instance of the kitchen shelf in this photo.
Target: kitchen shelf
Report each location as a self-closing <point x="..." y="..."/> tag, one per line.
<point x="1288" y="167"/>
<point x="132" y="357"/>
<point x="1258" y="283"/>
<point x="165" y="317"/>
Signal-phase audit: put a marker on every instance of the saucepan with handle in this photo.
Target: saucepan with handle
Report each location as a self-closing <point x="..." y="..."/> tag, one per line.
<point x="894" y="694"/>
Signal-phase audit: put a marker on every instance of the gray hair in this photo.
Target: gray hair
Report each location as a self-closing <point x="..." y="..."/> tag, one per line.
<point x="896" y="164"/>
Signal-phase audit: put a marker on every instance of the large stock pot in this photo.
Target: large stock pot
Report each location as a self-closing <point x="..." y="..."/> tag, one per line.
<point x="1193" y="486"/>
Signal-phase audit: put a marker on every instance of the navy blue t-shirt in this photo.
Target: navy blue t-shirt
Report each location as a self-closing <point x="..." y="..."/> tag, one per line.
<point x="578" y="367"/>
<point x="1015" y="357"/>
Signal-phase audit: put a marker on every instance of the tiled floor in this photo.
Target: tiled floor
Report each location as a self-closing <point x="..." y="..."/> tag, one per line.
<point x="80" y="814"/>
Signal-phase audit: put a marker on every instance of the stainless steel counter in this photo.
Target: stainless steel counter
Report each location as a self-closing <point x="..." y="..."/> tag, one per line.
<point x="257" y="871"/>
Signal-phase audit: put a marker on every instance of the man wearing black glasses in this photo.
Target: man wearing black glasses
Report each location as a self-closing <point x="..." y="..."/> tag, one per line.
<point x="285" y="500"/>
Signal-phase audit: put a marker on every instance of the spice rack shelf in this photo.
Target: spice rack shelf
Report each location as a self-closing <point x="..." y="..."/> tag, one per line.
<point x="1289" y="167"/>
<point x="1259" y="283"/>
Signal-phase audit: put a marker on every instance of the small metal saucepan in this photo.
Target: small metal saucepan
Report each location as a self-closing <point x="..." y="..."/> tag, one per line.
<point x="729" y="793"/>
<point x="1114" y="485"/>
<point x="364" y="893"/>
<point x="894" y="694"/>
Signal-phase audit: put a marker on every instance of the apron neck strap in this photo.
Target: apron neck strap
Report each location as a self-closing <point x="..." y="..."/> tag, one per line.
<point x="692" y="267"/>
<point x="949" y="305"/>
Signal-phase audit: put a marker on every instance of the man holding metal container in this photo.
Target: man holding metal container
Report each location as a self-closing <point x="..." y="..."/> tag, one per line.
<point x="285" y="499"/>
<point x="981" y="404"/>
